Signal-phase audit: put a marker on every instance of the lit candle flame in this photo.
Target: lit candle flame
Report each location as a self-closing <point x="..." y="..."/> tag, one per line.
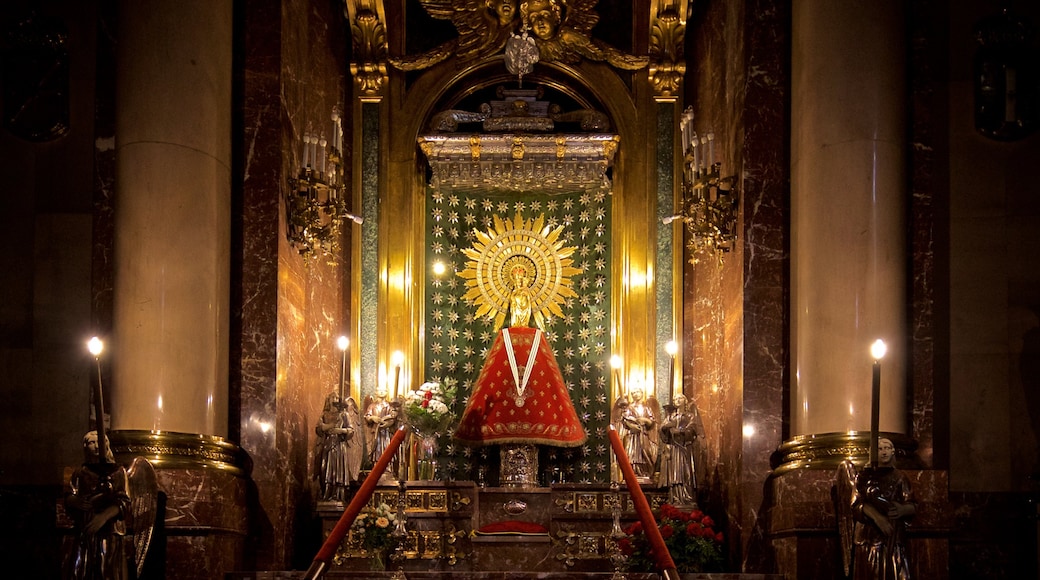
<point x="95" y="346"/>
<point x="878" y="349"/>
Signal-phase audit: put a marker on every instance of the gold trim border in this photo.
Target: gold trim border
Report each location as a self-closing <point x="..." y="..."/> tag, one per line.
<point x="171" y="450"/>
<point x="828" y="450"/>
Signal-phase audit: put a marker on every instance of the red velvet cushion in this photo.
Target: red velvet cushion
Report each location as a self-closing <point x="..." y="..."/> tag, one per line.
<point x="513" y="527"/>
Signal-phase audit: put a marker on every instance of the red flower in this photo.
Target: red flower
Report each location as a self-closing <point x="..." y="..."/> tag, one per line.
<point x="693" y="529"/>
<point x="718" y="537"/>
<point x="708" y="522"/>
<point x="696" y="514"/>
<point x="636" y="528"/>
<point x="625" y="546"/>
<point x="666" y="531"/>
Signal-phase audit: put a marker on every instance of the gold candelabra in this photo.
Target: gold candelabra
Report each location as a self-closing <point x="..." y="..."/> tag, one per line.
<point x="316" y="206"/>
<point x="709" y="201"/>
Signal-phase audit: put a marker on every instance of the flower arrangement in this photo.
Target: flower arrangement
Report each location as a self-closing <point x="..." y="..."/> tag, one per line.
<point x="689" y="536"/>
<point x="428" y="409"/>
<point x="372" y="532"/>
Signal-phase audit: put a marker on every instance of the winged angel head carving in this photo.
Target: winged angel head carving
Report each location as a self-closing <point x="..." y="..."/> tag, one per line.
<point x="561" y="30"/>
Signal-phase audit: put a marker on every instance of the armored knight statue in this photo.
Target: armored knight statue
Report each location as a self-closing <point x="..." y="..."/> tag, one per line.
<point x="636" y="419"/>
<point x="382" y="418"/>
<point x="678" y="440"/>
<point x="339" y="448"/>
<point x="113" y="511"/>
<point x="874" y="508"/>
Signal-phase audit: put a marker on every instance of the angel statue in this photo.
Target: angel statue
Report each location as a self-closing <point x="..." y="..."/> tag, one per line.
<point x="562" y="32"/>
<point x="484" y="26"/>
<point x="874" y="508"/>
<point x="519" y="273"/>
<point x="113" y="512"/>
<point x="381" y="420"/>
<point x="678" y="439"/>
<point x="636" y="424"/>
<point x="339" y="448"/>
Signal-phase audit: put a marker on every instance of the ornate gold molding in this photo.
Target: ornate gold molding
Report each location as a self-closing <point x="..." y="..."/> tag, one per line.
<point x="166" y="450"/>
<point x="667" y="35"/>
<point x="828" y="450"/>
<point x="368" y="36"/>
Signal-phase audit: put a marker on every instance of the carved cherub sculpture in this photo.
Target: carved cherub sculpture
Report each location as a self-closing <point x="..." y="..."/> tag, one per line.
<point x="484" y="26"/>
<point x="563" y="32"/>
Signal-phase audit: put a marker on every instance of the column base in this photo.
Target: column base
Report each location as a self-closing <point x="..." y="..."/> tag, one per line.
<point x="828" y="450"/>
<point x="204" y="503"/>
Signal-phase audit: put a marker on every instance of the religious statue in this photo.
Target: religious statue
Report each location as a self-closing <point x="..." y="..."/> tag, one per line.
<point x="381" y="419"/>
<point x="339" y="449"/>
<point x="874" y="510"/>
<point x="484" y="27"/>
<point x="559" y="31"/>
<point x="98" y="501"/>
<point x="678" y="440"/>
<point x="520" y="398"/>
<point x="520" y="298"/>
<point x="563" y="32"/>
<point x="636" y="422"/>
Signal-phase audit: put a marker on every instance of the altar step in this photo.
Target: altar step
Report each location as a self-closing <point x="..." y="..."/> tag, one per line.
<point x="511" y="575"/>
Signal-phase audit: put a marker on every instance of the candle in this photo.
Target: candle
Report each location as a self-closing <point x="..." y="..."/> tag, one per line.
<point x="671" y="348"/>
<point x="711" y="150"/>
<point x="344" y="344"/>
<point x="396" y="359"/>
<point x="877" y="350"/>
<point x="615" y="363"/>
<point x="95" y="346"/>
<point x="324" y="155"/>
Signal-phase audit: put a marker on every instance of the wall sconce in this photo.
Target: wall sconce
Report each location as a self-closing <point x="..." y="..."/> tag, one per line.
<point x="1007" y="87"/>
<point x="710" y="201"/>
<point x="316" y="205"/>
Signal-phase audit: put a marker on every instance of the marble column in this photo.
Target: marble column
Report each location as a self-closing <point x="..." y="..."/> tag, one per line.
<point x="169" y="389"/>
<point x="849" y="197"/>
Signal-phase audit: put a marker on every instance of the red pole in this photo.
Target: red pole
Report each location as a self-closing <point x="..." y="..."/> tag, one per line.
<point x="328" y="549"/>
<point x="661" y="554"/>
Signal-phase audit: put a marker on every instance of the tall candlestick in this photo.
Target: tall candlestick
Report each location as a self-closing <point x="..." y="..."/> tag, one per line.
<point x="878" y="351"/>
<point x="615" y="363"/>
<point x="95" y="346"/>
<point x="671" y="348"/>
<point x="344" y="344"/>
<point x="396" y="359"/>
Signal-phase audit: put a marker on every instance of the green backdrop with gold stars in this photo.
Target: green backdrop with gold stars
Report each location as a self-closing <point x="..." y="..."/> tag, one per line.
<point x="456" y="344"/>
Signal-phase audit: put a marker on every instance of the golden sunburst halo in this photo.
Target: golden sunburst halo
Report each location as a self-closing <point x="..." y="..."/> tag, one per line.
<point x="528" y="244"/>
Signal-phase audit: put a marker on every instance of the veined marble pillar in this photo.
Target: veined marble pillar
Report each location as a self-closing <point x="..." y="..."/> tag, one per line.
<point x="169" y="390"/>
<point x="173" y="187"/>
<point x="849" y="198"/>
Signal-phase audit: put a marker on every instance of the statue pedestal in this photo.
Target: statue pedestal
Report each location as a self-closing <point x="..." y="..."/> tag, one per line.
<point x="803" y="527"/>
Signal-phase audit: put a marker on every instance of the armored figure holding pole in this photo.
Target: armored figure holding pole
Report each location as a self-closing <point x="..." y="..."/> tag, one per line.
<point x="338" y="451"/>
<point x="678" y="441"/>
<point x="874" y="510"/>
<point x="98" y="502"/>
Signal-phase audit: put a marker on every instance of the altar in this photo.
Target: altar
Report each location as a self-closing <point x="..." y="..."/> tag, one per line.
<point x="458" y="526"/>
